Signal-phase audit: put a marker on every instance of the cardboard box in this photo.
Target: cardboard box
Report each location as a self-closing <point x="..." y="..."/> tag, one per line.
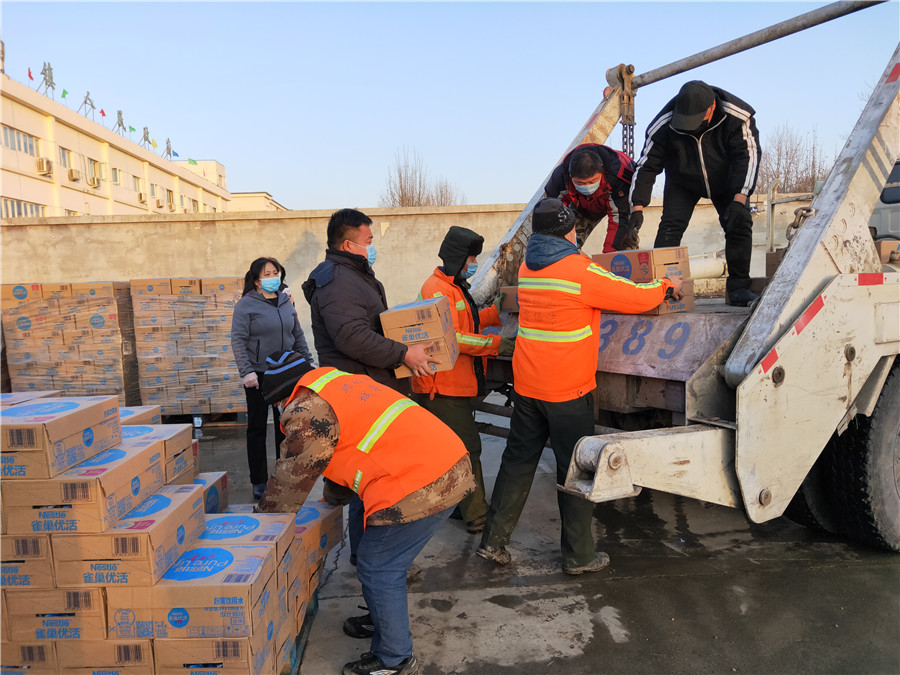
<point x="418" y="321"/>
<point x="13" y="294"/>
<point x="645" y="265"/>
<point x="175" y="437"/>
<point x="511" y="299"/>
<point x="268" y="529"/>
<point x="30" y="658"/>
<point x="686" y="304"/>
<point x="182" y="286"/>
<point x="181" y="469"/>
<point x="43" y="438"/>
<point x="56" y="290"/>
<point x="97" y="320"/>
<point x="222" y="656"/>
<point x="106" y="657"/>
<point x="151" y="287"/>
<point x="444" y="349"/>
<point x="90" y="497"/>
<point x="75" y="614"/>
<point x="93" y="289"/>
<point x="215" y="591"/>
<point x="217" y="285"/>
<point x="885" y="246"/>
<point x="140" y="548"/>
<point x="9" y="399"/>
<point x="318" y="526"/>
<point x="215" y="490"/>
<point x="140" y="415"/>
<point x="26" y="562"/>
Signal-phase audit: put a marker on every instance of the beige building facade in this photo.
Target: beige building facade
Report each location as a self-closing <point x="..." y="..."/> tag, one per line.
<point x="55" y="162"/>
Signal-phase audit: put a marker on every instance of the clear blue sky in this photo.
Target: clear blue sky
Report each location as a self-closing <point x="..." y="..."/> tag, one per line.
<point x="311" y="101"/>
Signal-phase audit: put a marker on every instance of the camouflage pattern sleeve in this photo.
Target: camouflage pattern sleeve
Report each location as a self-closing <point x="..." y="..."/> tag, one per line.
<point x="311" y="432"/>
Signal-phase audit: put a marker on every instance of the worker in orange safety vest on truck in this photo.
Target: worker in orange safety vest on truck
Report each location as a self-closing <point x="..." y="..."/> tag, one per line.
<point x="406" y="466"/>
<point x="561" y="293"/>
<point x="452" y="395"/>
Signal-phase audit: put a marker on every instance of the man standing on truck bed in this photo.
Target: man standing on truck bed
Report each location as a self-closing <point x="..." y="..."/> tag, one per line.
<point x="591" y="179"/>
<point x="561" y="293"/>
<point x="707" y="142"/>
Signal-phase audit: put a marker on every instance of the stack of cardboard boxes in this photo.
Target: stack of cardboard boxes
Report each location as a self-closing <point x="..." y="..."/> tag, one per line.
<point x="114" y="557"/>
<point x="183" y="344"/>
<point x="77" y="338"/>
<point x="428" y="321"/>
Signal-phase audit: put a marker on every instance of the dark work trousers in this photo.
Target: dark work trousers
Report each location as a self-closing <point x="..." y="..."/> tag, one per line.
<point x="458" y="413"/>
<point x="678" y="205"/>
<point x="257" y="421"/>
<point x="533" y="422"/>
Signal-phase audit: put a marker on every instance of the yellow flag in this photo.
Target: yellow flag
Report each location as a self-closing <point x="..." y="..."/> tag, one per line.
<point x="154" y="144"/>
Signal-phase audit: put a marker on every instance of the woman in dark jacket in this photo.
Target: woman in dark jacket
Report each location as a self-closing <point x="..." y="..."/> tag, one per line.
<point x="265" y="321"/>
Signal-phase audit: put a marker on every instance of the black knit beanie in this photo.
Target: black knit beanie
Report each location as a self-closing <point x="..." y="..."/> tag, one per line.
<point x="552" y="217"/>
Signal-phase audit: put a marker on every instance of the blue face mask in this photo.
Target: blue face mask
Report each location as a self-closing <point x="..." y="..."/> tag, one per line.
<point x="589" y="189"/>
<point x="371" y="254"/>
<point x="270" y="284"/>
<point x="470" y="270"/>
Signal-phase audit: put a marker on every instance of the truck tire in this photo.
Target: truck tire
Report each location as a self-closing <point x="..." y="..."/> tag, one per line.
<point x="866" y="471"/>
<point x="813" y="505"/>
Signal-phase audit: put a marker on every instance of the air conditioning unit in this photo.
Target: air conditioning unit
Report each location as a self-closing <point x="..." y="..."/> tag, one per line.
<point x="74" y="175"/>
<point x="159" y="203"/>
<point x="171" y="206"/>
<point x="44" y="166"/>
<point x="93" y="181"/>
<point x="142" y="198"/>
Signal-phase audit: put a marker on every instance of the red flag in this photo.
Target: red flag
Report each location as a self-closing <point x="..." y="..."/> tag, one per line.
<point x="30" y="76"/>
<point x="102" y="113"/>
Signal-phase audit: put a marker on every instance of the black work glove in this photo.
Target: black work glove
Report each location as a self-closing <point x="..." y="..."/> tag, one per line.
<point x="737" y="217"/>
<point x="507" y="345"/>
<point x="627" y="234"/>
<point x="336" y="495"/>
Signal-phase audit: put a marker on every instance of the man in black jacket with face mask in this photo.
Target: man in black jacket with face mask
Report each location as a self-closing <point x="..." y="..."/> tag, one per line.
<point x="707" y="142"/>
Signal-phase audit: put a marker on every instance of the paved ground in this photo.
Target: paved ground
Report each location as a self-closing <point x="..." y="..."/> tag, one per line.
<point x="693" y="588"/>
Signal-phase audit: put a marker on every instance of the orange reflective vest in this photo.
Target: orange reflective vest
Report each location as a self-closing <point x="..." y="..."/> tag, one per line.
<point x="389" y="447"/>
<point x="559" y="320"/>
<point x="460" y="381"/>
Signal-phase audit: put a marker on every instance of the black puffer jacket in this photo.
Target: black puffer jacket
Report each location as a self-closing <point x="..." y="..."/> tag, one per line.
<point x="345" y="300"/>
<point x="721" y="161"/>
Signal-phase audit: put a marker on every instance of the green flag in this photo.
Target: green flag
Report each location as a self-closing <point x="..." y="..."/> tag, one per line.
<point x="64" y="93"/>
<point x="131" y="128"/>
<point x="191" y="161"/>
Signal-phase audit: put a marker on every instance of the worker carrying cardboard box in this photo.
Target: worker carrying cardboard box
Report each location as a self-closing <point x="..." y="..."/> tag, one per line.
<point x="408" y="468"/>
<point x="561" y="292"/>
<point x="452" y="395"/>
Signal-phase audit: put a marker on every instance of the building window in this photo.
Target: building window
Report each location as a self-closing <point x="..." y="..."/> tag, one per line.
<point x="170" y="197"/>
<point x="152" y="189"/>
<point x="136" y="183"/>
<point x="16" y="208"/>
<point x="70" y="212"/>
<point x="65" y="157"/>
<point x="20" y="141"/>
<point x="115" y="176"/>
<point x="181" y="201"/>
<point x="194" y="205"/>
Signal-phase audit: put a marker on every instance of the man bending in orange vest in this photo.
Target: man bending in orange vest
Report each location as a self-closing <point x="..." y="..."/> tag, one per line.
<point x="561" y="293"/>
<point x="408" y="468"/>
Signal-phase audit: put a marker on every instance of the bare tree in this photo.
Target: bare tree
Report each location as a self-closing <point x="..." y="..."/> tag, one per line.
<point x="408" y="184"/>
<point x="792" y="162"/>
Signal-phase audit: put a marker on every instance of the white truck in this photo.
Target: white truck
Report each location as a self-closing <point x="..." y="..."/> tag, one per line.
<point x="791" y="406"/>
